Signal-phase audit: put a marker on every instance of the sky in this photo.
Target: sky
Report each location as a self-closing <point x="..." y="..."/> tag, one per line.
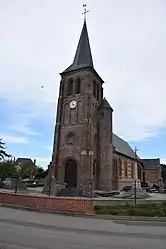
<point x="38" y="40"/>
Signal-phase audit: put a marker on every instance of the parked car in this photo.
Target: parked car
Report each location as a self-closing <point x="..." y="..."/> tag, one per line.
<point x="35" y="184"/>
<point x="162" y="190"/>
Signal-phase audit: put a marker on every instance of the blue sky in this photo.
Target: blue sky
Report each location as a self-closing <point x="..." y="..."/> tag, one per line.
<point x="38" y="40"/>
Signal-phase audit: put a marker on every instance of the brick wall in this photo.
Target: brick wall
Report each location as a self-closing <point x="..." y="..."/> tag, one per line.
<point x="80" y="205"/>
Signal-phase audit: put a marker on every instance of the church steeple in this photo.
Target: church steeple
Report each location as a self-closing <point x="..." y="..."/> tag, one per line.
<point x="83" y="56"/>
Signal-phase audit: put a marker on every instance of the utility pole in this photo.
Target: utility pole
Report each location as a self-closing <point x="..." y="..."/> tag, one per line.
<point x="135" y="164"/>
<point x="136" y="176"/>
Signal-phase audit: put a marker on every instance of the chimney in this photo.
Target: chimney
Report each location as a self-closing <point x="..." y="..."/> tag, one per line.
<point x="34" y="161"/>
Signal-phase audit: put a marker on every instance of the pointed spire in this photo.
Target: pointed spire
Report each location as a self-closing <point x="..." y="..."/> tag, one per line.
<point x="83" y="56"/>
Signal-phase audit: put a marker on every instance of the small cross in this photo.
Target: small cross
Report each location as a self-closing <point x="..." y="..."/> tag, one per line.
<point x="135" y="150"/>
<point x="85" y="12"/>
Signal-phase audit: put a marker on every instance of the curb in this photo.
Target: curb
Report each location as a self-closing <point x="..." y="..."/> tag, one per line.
<point x="84" y="215"/>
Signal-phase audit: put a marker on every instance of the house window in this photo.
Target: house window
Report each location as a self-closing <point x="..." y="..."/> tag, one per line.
<point x="78" y="86"/>
<point x="120" y="167"/>
<point x="70" y="87"/>
<point x="125" y="169"/>
<point x="94" y="88"/>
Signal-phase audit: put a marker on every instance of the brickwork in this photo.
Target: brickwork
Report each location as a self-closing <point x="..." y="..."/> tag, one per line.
<point x="105" y="148"/>
<point x="79" y="205"/>
<point x="79" y="122"/>
<point x="124" y="179"/>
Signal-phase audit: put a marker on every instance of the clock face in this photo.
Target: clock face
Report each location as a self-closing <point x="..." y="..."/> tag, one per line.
<point x="73" y="104"/>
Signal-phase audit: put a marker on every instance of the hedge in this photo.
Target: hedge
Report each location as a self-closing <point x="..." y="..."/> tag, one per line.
<point x="150" y="210"/>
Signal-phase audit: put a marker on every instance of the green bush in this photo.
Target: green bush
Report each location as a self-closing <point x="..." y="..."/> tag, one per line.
<point x="114" y="211"/>
<point x="145" y="212"/>
<point x="147" y="206"/>
<point x="164" y="204"/>
<point x="149" y="210"/>
<point x="122" y="212"/>
<point x="100" y="209"/>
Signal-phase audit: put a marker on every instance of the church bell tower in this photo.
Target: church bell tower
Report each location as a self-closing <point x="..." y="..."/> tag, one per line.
<point x="75" y="145"/>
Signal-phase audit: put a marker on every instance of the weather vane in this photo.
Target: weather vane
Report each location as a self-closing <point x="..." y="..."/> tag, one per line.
<point x="85" y="11"/>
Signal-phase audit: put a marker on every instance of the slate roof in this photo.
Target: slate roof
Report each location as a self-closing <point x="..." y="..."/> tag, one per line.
<point x="151" y="163"/>
<point x="83" y="55"/>
<point x="122" y="147"/>
<point x="23" y="161"/>
<point x="105" y="104"/>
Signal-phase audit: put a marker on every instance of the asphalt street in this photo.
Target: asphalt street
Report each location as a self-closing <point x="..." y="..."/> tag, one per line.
<point x="24" y="229"/>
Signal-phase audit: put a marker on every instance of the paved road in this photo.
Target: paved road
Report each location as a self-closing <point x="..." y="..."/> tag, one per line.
<point x="23" y="229"/>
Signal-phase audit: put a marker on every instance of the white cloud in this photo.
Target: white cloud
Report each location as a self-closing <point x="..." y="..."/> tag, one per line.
<point x="163" y="160"/>
<point x="24" y="130"/>
<point x="128" y="47"/>
<point x="43" y="161"/>
<point x="14" y="139"/>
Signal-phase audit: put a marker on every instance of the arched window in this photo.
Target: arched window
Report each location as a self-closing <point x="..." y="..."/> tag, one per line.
<point x="94" y="167"/>
<point x="101" y="92"/>
<point x="70" y="138"/>
<point x="102" y="115"/>
<point x="78" y="86"/>
<point x="132" y="170"/>
<point x="94" y="88"/>
<point x="98" y="92"/>
<point x="70" y="87"/>
<point x="125" y="169"/>
<point x="120" y="167"/>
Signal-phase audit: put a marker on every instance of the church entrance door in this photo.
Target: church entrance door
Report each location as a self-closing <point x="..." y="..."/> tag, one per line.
<point x="71" y="173"/>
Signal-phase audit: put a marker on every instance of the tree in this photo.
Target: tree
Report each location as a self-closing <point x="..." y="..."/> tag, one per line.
<point x="39" y="172"/>
<point x="7" y="169"/>
<point x="27" y="170"/>
<point x="3" y="153"/>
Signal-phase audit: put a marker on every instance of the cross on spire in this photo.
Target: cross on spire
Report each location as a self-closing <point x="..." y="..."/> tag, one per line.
<point x="135" y="150"/>
<point x="85" y="12"/>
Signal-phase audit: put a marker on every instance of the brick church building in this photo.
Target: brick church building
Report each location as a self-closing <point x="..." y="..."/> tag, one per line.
<point x="86" y="152"/>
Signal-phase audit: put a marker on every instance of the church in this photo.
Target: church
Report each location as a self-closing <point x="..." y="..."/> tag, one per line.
<point x="86" y="152"/>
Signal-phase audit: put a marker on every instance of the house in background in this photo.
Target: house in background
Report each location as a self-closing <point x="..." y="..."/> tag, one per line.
<point x="27" y="167"/>
<point x="152" y="172"/>
<point x="25" y="161"/>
